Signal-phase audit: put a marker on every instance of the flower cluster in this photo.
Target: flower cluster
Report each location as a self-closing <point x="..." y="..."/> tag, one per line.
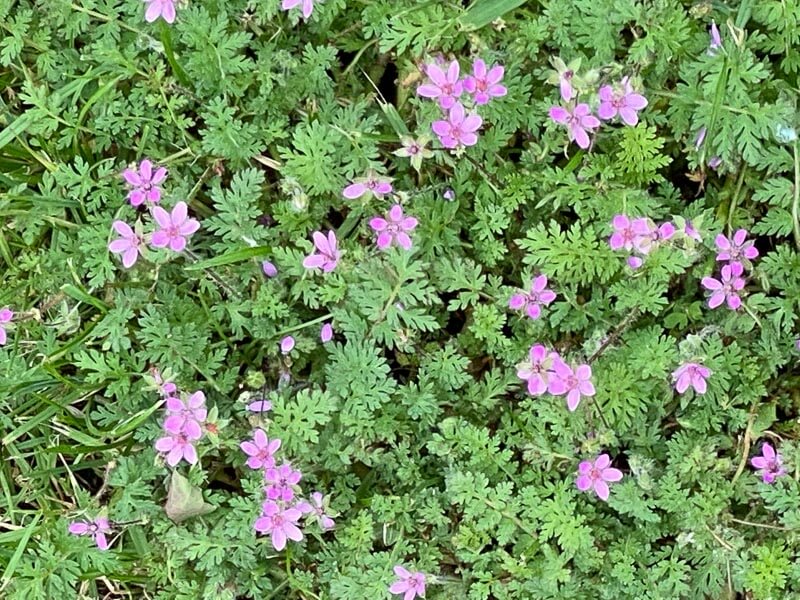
<point x="172" y="229"/>
<point x="282" y="508"/>
<point x="184" y="424"/>
<point x="459" y="127"/>
<point x="6" y="314"/>
<point x="546" y="371"/>
<point x="736" y="253"/>
<point x="611" y="101"/>
<point x="638" y="236"/>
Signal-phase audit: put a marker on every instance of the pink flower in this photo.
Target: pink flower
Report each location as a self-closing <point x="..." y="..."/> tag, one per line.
<point x="634" y="262"/>
<point x="174" y="228"/>
<point x="701" y="136"/>
<point x="261" y="451"/>
<point x="408" y="583"/>
<point x="280" y="523"/>
<point x="326" y="333"/>
<point x="371" y="184"/>
<point x="727" y="289"/>
<point x="690" y="231"/>
<point x="624" y="102"/>
<point x="128" y="244"/>
<point x="693" y="374"/>
<point x="714" y="162"/>
<point x="6" y="314"/>
<point x="623" y="233"/>
<point x="307" y="6"/>
<point x="597" y="475"/>
<point x="533" y="300"/>
<point x="459" y="128"/>
<point x="716" y="39"/>
<point x="647" y="235"/>
<point x="577" y="121"/>
<point x="485" y="85"/>
<point x="97" y="529"/>
<point x="565" y="85"/>
<point x="143" y="181"/>
<point x="442" y="86"/>
<point x="394" y="228"/>
<point x="327" y="255"/>
<point x="538" y="371"/>
<point x="287" y="344"/>
<point x="576" y="383"/>
<point x="735" y="249"/>
<point x="178" y="446"/>
<point x="318" y="509"/>
<point x="186" y="417"/>
<point x="769" y="464"/>
<point x="259" y="406"/>
<point x="282" y="482"/>
<point x="269" y="269"/>
<point x="165" y="388"/>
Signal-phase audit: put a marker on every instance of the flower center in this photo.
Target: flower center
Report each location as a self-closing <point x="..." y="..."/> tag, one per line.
<point x="482" y="85"/>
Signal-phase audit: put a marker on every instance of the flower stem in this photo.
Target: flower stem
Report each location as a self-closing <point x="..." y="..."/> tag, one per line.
<point x="796" y="199"/>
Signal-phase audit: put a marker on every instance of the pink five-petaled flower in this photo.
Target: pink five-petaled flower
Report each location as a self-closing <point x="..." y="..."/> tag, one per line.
<point x="174" y="228"/>
<point x="6" y="314"/>
<point x="280" y="523"/>
<point x="326" y="333"/>
<point x="409" y="584"/>
<point x="737" y="248"/>
<point x="307" y="6"/>
<point x="578" y="120"/>
<point x="282" y="481"/>
<point x="261" y="450"/>
<point x="394" y="228"/>
<point x="597" y="475"/>
<point x="691" y="374"/>
<point x="178" y="446"/>
<point x="623" y="101"/>
<point x="485" y="85"/>
<point x="371" y="184"/>
<point x="576" y="383"/>
<point x="128" y="244"/>
<point x="327" y="255"/>
<point x="445" y="87"/>
<point x="623" y="235"/>
<point x="318" y="509"/>
<point x="532" y="301"/>
<point x="143" y="181"/>
<point x="727" y="288"/>
<point x="769" y="464"/>
<point x="186" y="417"/>
<point x="97" y="529"/>
<point x="459" y="128"/>
<point x="538" y="371"/>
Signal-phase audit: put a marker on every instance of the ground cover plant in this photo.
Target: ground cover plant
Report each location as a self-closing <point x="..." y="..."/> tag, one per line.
<point x="359" y="299"/>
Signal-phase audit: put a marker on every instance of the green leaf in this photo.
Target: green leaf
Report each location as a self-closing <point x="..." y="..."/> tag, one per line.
<point x="185" y="501"/>
<point x="483" y="12"/>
